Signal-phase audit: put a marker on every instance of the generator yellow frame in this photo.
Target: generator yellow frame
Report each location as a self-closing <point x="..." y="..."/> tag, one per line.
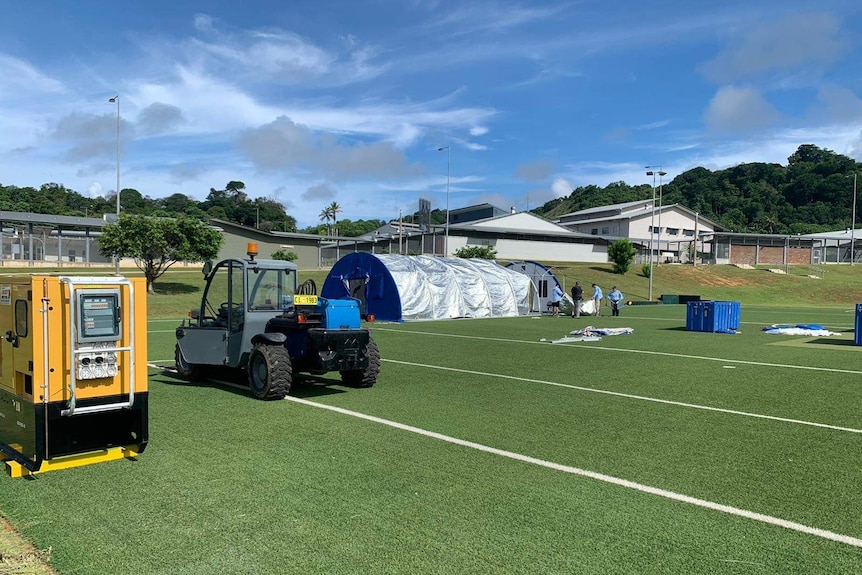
<point x="73" y="373"/>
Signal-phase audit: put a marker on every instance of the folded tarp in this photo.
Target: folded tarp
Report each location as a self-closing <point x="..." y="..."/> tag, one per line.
<point x="590" y="330"/>
<point x="578" y="338"/>
<point x="799" y="329"/>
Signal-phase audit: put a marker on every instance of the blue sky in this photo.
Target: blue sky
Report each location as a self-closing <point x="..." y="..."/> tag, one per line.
<point x="314" y="102"/>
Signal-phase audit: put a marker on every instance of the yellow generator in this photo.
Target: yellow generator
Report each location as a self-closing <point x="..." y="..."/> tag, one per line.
<point x="73" y="371"/>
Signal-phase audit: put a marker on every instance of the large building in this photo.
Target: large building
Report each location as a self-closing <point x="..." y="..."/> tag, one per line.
<point x="671" y="232"/>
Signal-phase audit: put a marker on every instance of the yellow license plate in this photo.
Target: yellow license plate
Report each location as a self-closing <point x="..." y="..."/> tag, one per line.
<point x="305" y="300"/>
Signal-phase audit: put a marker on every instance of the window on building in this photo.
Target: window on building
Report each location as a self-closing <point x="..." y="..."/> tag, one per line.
<point x="688" y="233"/>
<point x="594" y="231"/>
<point x="616" y="231"/>
<point x="673" y="231"/>
<point x="606" y="230"/>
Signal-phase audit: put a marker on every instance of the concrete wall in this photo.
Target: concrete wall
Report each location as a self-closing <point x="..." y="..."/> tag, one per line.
<point x="236" y="241"/>
<point x="539" y="250"/>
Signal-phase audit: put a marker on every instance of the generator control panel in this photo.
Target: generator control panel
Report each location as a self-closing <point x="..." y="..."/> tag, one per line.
<point x="98" y="330"/>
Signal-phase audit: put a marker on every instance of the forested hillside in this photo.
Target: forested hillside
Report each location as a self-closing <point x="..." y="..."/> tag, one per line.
<point x="812" y="193"/>
<point x="231" y="204"/>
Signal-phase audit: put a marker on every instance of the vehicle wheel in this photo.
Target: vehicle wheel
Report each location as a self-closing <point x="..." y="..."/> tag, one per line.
<point x="364" y="377"/>
<point x="269" y="371"/>
<point x="186" y="370"/>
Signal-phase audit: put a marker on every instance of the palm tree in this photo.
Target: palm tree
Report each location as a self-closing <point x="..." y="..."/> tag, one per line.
<point x="325" y="215"/>
<point x="334" y="208"/>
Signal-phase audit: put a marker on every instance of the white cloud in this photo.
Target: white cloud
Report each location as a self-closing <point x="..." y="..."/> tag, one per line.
<point x="794" y="41"/>
<point x="95" y="190"/>
<point x="855" y="148"/>
<point x="838" y="104"/>
<point x="535" y="171"/>
<point x="285" y="145"/>
<point x="476" y="131"/>
<point x="203" y="23"/>
<point x="18" y="74"/>
<point x="158" y="118"/>
<point x="562" y="187"/>
<point x="743" y="110"/>
<point x="319" y="192"/>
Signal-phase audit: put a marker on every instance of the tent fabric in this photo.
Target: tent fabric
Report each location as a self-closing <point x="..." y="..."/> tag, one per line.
<point x="397" y="288"/>
<point x="544" y="281"/>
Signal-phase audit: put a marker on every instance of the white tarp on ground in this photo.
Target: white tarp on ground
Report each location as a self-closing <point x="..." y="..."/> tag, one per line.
<point x="443" y="288"/>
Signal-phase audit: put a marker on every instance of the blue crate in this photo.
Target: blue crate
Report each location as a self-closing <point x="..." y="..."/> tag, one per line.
<point x="857" y="339"/>
<point x="713" y="316"/>
<point x="340" y="313"/>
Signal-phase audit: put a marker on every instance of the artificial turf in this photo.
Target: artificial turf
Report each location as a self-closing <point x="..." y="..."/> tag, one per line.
<point x="230" y="484"/>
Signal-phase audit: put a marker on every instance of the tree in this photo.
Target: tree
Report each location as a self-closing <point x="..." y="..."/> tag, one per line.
<point x="334" y="209"/>
<point x="158" y="243"/>
<point x="326" y="215"/>
<point x="622" y="254"/>
<point x="285" y="256"/>
<point x="484" y="252"/>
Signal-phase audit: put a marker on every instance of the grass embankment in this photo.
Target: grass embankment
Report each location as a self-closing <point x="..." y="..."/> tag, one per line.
<point x="838" y="284"/>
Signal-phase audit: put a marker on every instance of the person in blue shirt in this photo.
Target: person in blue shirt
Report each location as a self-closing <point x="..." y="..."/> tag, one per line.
<point x="615" y="297"/>
<point x="556" y="297"/>
<point x="597" y="299"/>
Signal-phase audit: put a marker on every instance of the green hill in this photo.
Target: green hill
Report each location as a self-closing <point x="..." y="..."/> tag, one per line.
<point x="836" y="285"/>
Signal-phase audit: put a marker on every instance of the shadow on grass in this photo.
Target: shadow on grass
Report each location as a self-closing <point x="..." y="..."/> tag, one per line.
<point x="836" y="342"/>
<point x="174" y="288"/>
<point x="304" y="385"/>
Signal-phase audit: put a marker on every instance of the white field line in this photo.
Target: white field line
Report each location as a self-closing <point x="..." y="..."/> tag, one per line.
<point x="768" y="519"/>
<point x="155" y="364"/>
<point x="632" y="396"/>
<point x="621" y="350"/>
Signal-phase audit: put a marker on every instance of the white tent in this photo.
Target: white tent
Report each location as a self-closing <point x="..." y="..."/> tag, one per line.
<point x="424" y="287"/>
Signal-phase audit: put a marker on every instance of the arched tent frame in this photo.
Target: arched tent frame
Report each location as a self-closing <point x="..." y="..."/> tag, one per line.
<point x="543" y="281"/>
<point x="398" y="288"/>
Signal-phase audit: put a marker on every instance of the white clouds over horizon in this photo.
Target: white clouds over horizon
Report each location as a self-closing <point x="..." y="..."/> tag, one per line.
<point x="307" y="107"/>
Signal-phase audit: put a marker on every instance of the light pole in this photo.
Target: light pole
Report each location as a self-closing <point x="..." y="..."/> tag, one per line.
<point x="117" y="100"/>
<point x="660" y="174"/>
<point x="853" y="225"/>
<point x="448" y="164"/>
<point x="653" y="173"/>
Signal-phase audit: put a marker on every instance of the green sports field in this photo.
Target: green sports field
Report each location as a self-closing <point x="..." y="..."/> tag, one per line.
<point x="483" y="449"/>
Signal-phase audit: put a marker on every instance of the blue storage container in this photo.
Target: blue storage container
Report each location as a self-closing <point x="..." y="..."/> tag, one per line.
<point x="713" y="316"/>
<point x="694" y="316"/>
<point x="857" y="339"/>
<point x="340" y="313"/>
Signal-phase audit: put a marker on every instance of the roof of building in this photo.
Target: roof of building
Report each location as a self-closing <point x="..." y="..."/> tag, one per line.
<point x="520" y="222"/>
<point x="637" y="214"/>
<point x="477" y="207"/>
<point x="619" y="208"/>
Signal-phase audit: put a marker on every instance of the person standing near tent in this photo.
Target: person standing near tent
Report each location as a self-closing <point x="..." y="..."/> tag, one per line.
<point x="615" y="297"/>
<point x="597" y="298"/>
<point x="556" y="297"/>
<point x="577" y="296"/>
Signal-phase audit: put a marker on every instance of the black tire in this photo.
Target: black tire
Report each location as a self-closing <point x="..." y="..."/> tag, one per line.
<point x="187" y="371"/>
<point x="364" y="377"/>
<point x="269" y="371"/>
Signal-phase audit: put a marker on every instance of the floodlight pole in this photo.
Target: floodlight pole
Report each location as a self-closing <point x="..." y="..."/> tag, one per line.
<point x="448" y="164"/>
<point x="651" y="232"/>
<point x="853" y="225"/>
<point x="653" y="173"/>
<point x="117" y="100"/>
